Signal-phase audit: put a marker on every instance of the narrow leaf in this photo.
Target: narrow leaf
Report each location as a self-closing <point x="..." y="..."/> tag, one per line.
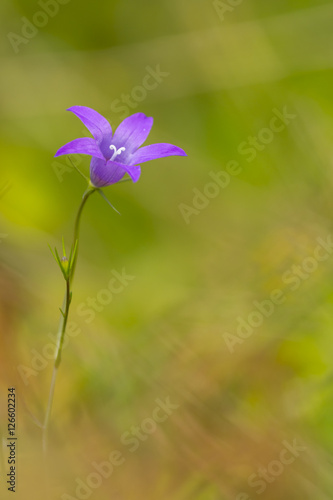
<point x="79" y="171"/>
<point x="107" y="201"/>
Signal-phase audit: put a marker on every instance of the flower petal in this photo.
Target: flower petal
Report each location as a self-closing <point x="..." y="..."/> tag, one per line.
<point x="104" y="173"/>
<point x="97" y="125"/>
<point x="85" y="146"/>
<point x="155" y="151"/>
<point x="132" y="132"/>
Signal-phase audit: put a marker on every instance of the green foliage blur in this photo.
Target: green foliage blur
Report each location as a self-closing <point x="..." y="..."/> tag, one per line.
<point x="228" y="305"/>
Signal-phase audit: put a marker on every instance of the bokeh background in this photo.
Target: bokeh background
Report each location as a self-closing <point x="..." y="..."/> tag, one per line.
<point x="226" y="66"/>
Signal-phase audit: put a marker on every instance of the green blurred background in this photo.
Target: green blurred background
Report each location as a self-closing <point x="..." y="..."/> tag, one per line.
<point x="226" y="66"/>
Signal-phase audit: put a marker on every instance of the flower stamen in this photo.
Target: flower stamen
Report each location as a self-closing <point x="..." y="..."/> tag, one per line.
<point x="116" y="151"/>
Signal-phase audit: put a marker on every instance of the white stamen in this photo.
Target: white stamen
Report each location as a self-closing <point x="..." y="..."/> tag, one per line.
<point x="116" y="151"/>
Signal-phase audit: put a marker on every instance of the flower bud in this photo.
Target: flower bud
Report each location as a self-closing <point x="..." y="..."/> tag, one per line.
<point x="64" y="264"/>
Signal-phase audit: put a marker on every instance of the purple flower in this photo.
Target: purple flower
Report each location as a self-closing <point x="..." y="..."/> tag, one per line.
<point x="114" y="155"/>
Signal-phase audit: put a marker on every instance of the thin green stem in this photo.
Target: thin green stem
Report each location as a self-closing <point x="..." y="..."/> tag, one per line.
<point x="85" y="197"/>
<point x="64" y="315"/>
<point x="56" y="363"/>
<point x="64" y="324"/>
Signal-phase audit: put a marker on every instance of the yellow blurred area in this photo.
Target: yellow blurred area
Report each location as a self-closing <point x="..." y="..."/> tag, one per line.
<point x="197" y="359"/>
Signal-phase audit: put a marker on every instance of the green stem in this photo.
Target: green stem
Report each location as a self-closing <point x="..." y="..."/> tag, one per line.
<point x="64" y="316"/>
<point x="64" y="324"/>
<point x="85" y="197"/>
<point x="62" y="332"/>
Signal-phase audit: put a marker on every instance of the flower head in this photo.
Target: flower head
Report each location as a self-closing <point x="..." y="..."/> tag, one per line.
<point x="114" y="155"/>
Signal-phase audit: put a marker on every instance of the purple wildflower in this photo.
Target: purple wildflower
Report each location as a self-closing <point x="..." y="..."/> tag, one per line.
<point x="114" y="155"/>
